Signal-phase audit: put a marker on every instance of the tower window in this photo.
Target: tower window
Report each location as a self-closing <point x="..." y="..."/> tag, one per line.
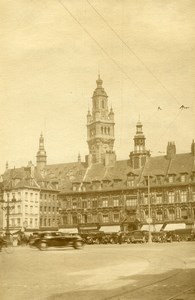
<point x="102" y="103"/>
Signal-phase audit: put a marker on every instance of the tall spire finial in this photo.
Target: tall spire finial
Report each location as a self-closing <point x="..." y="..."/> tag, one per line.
<point x="6" y="165"/>
<point x="79" y="157"/>
<point x="99" y="81"/>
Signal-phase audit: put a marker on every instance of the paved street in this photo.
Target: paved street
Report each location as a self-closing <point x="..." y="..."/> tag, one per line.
<point x="149" y="272"/>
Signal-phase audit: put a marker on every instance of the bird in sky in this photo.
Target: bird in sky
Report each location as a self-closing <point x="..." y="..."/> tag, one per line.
<point x="184" y="107"/>
<point x="159" y="108"/>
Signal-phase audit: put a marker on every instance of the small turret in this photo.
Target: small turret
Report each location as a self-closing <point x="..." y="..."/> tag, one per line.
<point x="193" y="148"/>
<point x="139" y="156"/>
<point x="41" y="155"/>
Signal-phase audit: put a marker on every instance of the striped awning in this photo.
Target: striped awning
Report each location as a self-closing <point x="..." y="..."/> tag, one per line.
<point x="153" y="227"/>
<point x="68" y="230"/>
<point x="110" y="229"/>
<point x="174" y="226"/>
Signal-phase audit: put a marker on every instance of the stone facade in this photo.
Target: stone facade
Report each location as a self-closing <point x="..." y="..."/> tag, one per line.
<point x="103" y="191"/>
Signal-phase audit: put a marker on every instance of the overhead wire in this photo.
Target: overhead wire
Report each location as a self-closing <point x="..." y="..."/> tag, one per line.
<point x="102" y="49"/>
<point x="115" y="62"/>
<point x="132" y="52"/>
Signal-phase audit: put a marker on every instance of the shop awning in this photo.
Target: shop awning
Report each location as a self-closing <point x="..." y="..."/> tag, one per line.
<point x="68" y="230"/>
<point x="174" y="226"/>
<point x="110" y="229"/>
<point x="153" y="227"/>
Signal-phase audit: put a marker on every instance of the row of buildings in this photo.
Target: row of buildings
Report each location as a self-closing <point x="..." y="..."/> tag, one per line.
<point x="103" y="193"/>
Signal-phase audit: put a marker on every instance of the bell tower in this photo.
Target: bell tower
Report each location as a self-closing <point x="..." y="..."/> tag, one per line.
<point x="140" y="154"/>
<point x="100" y="128"/>
<point x="41" y="154"/>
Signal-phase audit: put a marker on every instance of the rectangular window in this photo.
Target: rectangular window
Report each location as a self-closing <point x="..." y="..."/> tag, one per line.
<point x="65" y="220"/>
<point x="171" y="178"/>
<point x="26" y="209"/>
<point x="19" y="196"/>
<point x="183" y="177"/>
<point x="18" y="221"/>
<point x="94" y="218"/>
<point x="159" y="216"/>
<point x="105" y="219"/>
<point x="36" y="222"/>
<point x="45" y="208"/>
<point x="19" y="209"/>
<point x="49" y="209"/>
<point x="171" y="197"/>
<point x="49" y="222"/>
<point x="105" y="203"/>
<point x="171" y="215"/>
<point x="74" y="219"/>
<point x="94" y="203"/>
<point x="31" y="222"/>
<point x="31" y="209"/>
<point x="116" y="218"/>
<point x="74" y="204"/>
<point x="45" y="196"/>
<point x="183" y="196"/>
<point x="26" y="196"/>
<point x="130" y="183"/>
<point x="193" y="197"/>
<point x="31" y="197"/>
<point x="159" y="199"/>
<point x="36" y="197"/>
<point x="12" y="222"/>
<point x="116" y="201"/>
<point x="131" y="202"/>
<point x="159" y="179"/>
<point x="145" y="200"/>
<point x="84" y="204"/>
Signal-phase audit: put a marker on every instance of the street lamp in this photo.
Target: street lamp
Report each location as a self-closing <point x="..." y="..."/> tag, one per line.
<point x="9" y="205"/>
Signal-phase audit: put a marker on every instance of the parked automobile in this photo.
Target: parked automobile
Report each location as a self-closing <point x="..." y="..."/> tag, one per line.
<point x="56" y="239"/>
<point x="138" y="236"/>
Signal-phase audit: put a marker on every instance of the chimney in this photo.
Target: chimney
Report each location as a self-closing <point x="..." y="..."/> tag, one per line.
<point x="171" y="150"/>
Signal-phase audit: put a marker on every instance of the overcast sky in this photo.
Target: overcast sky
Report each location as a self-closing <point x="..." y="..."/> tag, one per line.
<point x="51" y="52"/>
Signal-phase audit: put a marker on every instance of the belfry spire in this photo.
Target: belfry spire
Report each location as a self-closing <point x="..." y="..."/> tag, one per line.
<point x="41" y="154"/>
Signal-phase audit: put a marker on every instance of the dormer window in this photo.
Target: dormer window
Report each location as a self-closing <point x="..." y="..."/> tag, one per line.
<point x="131" y="183"/>
<point x="183" y="177"/>
<point x="159" y="179"/>
<point x="171" y="178"/>
<point x="131" y="180"/>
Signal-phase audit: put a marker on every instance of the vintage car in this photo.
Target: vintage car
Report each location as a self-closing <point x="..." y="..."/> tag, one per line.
<point x="138" y="236"/>
<point x="56" y="239"/>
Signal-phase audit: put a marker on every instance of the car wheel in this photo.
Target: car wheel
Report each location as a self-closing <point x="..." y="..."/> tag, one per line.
<point x="78" y="244"/>
<point x="43" y="246"/>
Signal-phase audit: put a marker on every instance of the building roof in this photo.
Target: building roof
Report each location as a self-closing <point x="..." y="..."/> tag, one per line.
<point x="65" y="175"/>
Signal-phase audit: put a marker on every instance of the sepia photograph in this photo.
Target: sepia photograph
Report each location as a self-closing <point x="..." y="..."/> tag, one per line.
<point x="97" y="150"/>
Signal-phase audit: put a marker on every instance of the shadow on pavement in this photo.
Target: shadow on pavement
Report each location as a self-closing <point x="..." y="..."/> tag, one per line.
<point x="144" y="287"/>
